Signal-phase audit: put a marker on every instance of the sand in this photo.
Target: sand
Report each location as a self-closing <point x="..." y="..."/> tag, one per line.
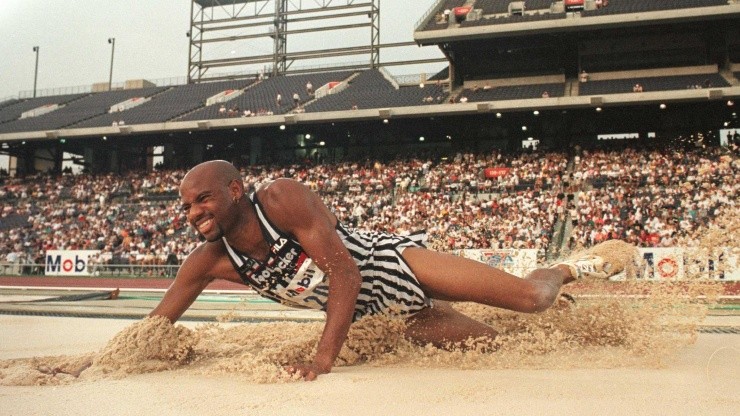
<point x="631" y="348"/>
<point x="699" y="377"/>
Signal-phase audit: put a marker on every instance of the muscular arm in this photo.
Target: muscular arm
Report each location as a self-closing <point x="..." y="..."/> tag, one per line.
<point x="199" y="269"/>
<point x="300" y="212"/>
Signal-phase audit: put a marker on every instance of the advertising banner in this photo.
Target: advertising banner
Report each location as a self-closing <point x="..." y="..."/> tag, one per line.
<point x="68" y="262"/>
<point x="514" y="261"/>
<point x="672" y="263"/>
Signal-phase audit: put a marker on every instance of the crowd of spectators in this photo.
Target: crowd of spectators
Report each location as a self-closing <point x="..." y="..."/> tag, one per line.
<point x="647" y="197"/>
<point x="651" y="197"/>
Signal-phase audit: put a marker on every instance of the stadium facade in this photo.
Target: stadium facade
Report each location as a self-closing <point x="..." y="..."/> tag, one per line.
<point x="550" y="74"/>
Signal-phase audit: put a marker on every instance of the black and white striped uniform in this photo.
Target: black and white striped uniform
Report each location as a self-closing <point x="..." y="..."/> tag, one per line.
<point x="290" y="277"/>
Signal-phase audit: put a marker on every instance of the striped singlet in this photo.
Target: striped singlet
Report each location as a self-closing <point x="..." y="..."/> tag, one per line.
<point x="290" y="277"/>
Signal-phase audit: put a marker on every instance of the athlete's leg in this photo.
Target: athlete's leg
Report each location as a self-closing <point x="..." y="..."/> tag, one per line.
<point x="441" y="325"/>
<point x="449" y="277"/>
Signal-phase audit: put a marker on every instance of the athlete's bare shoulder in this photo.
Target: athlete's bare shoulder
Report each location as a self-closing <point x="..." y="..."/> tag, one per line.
<point x="208" y="261"/>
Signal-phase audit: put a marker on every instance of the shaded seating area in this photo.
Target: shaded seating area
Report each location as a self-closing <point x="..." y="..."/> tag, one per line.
<point x="167" y="105"/>
<point x="84" y="108"/>
<point x="513" y="92"/>
<point x="665" y="83"/>
<point x="14" y="111"/>
<point x="639" y="6"/>
<point x="261" y="98"/>
<point x="371" y="89"/>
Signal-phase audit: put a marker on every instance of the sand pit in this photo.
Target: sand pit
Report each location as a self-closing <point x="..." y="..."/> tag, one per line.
<point x="619" y="362"/>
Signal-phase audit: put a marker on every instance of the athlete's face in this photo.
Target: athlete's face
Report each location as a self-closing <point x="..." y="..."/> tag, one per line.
<point x="207" y="203"/>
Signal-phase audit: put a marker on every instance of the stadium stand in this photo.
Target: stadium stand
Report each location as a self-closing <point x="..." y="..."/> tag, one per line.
<point x="8" y="102"/>
<point x="665" y="83"/>
<point x="82" y="109"/>
<point x="166" y="105"/>
<point x="438" y="21"/>
<point x="640" y="194"/>
<point x="638" y="6"/>
<point x="14" y="111"/>
<point x="260" y="98"/>
<point x="370" y="89"/>
<point x="497" y="11"/>
<point x="504" y="19"/>
<point x="514" y="92"/>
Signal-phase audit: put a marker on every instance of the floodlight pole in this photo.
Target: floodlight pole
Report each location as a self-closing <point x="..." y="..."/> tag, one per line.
<point x="112" y="41"/>
<point x="36" y="71"/>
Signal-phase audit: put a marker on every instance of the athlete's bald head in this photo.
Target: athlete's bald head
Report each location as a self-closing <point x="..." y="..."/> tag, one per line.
<point x="217" y="172"/>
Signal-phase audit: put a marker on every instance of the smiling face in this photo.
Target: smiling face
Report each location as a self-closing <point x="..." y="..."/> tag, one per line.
<point x="208" y="193"/>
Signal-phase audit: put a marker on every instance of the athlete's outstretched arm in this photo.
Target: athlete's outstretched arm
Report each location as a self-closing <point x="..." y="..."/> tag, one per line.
<point x="296" y="210"/>
<point x="197" y="271"/>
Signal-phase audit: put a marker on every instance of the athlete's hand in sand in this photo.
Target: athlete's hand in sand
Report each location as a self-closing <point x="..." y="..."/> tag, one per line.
<point x="308" y="372"/>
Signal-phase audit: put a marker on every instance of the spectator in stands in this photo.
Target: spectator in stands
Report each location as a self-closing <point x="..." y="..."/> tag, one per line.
<point x="354" y="107"/>
<point x="296" y="99"/>
<point x="637" y="87"/>
<point x="463" y="99"/>
<point x="545" y="94"/>
<point x="487" y="86"/>
<point x="279" y="100"/>
<point x="309" y="88"/>
<point x="222" y="110"/>
<point x="306" y="231"/>
<point x="584" y="76"/>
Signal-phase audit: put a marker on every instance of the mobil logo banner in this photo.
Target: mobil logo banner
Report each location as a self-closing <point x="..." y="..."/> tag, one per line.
<point x="671" y="263"/>
<point x="69" y="262"/>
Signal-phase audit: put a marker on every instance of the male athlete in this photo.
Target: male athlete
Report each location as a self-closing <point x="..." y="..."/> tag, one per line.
<point x="286" y="244"/>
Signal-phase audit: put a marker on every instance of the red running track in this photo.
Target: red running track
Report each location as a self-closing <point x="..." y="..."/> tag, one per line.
<point x="106" y="282"/>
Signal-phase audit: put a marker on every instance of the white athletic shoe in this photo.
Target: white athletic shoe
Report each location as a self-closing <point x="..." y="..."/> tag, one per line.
<point x="589" y="266"/>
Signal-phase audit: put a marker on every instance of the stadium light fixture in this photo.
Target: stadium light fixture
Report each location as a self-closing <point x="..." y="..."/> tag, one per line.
<point x="282" y="127"/>
<point x="112" y="42"/>
<point x="308" y="136"/>
<point x="730" y="103"/>
<point x="498" y="115"/>
<point x="598" y="109"/>
<point x="235" y="129"/>
<point x="421" y="138"/>
<point x="385" y="121"/>
<point x="322" y="143"/>
<point x="536" y="112"/>
<point x="662" y="106"/>
<point x="36" y="71"/>
<point x="524" y="128"/>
